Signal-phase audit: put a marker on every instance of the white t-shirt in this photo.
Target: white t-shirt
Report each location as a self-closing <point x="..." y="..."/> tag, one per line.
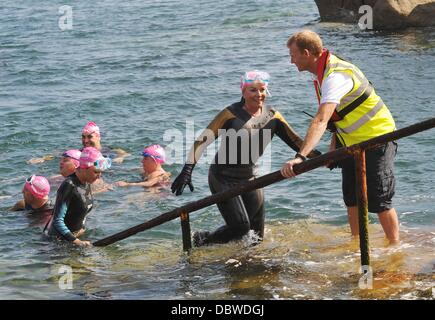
<point x="335" y="86"/>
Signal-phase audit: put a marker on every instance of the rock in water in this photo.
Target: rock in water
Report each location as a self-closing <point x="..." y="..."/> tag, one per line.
<point x="387" y="14"/>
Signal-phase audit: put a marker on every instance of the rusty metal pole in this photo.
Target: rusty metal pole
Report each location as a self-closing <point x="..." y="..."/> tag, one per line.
<point x="362" y="203"/>
<point x="185" y="229"/>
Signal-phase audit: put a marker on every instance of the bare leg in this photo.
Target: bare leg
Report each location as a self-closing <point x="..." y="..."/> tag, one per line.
<point x="390" y="224"/>
<point x="352" y="216"/>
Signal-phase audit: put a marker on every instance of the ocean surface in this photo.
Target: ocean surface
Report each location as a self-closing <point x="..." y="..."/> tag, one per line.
<point x="157" y="71"/>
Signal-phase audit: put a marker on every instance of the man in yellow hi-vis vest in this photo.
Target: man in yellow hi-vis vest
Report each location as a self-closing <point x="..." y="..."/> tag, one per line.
<point x="350" y="106"/>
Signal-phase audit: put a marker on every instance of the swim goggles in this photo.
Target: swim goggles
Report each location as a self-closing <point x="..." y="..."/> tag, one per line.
<point x="146" y="154"/>
<point x="30" y="179"/>
<point x="252" y="76"/>
<point x="101" y="164"/>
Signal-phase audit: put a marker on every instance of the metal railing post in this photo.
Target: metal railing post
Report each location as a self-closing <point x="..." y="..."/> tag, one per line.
<point x="362" y="203"/>
<point x="185" y="229"/>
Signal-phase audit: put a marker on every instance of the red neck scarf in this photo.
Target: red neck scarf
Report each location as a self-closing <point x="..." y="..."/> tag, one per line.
<point x="321" y="66"/>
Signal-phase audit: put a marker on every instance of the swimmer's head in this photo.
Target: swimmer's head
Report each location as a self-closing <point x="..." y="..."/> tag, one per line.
<point x="156" y="152"/>
<point x="91" y="135"/>
<point x="91" y="157"/>
<point x="92" y="163"/>
<point x="153" y="157"/>
<point x="74" y="155"/>
<point x="69" y="162"/>
<point x="91" y="127"/>
<point x="38" y="186"/>
<point x="254" y="77"/>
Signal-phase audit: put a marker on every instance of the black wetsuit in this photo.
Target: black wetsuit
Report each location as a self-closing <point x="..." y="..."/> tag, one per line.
<point x="244" y="139"/>
<point x="73" y="202"/>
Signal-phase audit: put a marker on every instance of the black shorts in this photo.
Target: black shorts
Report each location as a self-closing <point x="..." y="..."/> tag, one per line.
<point x="380" y="178"/>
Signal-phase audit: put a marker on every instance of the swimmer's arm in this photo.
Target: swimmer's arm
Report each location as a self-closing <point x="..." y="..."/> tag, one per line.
<point x="120" y="155"/>
<point x="117" y="155"/>
<point x="40" y="160"/>
<point x="289" y="135"/>
<point x="20" y="205"/>
<point x="104" y="188"/>
<point x="59" y="222"/>
<point x="60" y="209"/>
<point x="146" y="184"/>
<point x="210" y="134"/>
<point x="100" y="186"/>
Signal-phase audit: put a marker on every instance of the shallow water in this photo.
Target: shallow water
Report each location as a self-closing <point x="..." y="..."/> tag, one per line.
<point x="143" y="68"/>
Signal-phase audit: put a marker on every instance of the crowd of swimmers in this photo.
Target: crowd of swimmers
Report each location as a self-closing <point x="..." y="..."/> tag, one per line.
<point x="347" y="105"/>
<point x="78" y="180"/>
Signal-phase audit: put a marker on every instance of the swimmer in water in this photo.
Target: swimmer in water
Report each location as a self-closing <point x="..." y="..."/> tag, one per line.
<point x="154" y="174"/>
<point x="68" y="164"/>
<point x="74" y="198"/>
<point x="35" y="196"/>
<point x="91" y="137"/>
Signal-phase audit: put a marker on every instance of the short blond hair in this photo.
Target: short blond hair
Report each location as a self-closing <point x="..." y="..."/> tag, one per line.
<point x="307" y="39"/>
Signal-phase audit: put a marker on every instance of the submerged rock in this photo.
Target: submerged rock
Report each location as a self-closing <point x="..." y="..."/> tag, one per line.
<point x="387" y="14"/>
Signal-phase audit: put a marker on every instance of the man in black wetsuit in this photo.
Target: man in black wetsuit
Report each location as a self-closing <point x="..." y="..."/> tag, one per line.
<point x="246" y="128"/>
<point x="74" y="197"/>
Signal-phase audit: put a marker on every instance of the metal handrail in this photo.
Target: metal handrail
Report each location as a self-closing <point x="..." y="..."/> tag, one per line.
<point x="357" y="150"/>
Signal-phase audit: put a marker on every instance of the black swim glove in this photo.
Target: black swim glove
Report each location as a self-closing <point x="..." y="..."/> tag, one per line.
<point x="183" y="179"/>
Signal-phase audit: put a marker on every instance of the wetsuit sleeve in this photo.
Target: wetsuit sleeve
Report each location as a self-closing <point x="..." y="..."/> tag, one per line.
<point x="289" y="136"/>
<point x="210" y="134"/>
<point x="60" y="209"/>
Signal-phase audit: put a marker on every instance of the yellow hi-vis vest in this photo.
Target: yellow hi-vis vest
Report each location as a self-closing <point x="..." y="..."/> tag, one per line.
<point x="362" y="113"/>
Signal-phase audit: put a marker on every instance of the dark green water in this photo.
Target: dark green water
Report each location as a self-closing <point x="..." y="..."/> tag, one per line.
<point x="141" y="69"/>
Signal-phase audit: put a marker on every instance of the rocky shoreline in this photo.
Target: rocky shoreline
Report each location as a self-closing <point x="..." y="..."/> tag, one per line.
<point x="387" y="14"/>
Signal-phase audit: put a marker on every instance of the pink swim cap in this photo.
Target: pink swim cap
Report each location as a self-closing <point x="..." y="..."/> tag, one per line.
<point x="74" y="155"/>
<point x="88" y="156"/>
<point x="250" y="77"/>
<point x="156" y="152"/>
<point x="92" y="157"/>
<point x="38" y="186"/>
<point x="91" y="127"/>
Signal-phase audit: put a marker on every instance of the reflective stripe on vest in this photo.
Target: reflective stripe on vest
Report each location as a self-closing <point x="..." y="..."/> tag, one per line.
<point x="363" y="115"/>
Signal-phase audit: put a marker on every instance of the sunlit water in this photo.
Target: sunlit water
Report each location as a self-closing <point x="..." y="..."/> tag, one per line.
<point x="142" y="68"/>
